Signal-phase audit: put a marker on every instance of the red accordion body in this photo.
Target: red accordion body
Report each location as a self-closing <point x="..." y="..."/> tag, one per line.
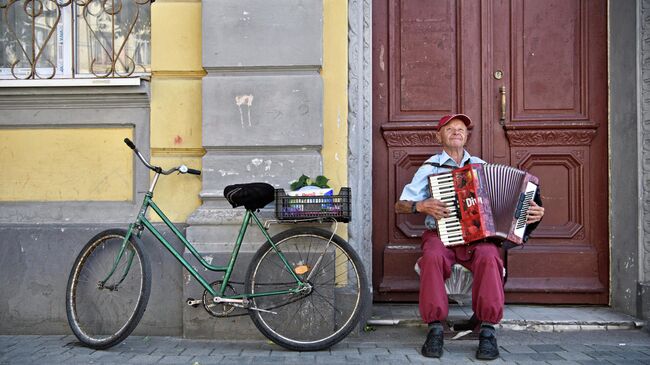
<point x="486" y="201"/>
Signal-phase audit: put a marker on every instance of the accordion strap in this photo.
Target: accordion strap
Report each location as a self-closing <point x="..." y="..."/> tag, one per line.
<point x="435" y="164"/>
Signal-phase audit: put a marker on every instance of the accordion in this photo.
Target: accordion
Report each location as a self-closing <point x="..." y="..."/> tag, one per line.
<point x="485" y="201"/>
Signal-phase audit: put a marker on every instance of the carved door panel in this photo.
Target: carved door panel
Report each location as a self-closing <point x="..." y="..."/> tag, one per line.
<point x="554" y="65"/>
<point x="431" y="58"/>
<point x="427" y="63"/>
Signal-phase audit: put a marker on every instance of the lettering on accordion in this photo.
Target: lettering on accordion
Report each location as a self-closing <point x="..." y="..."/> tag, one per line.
<point x="485" y="201"/>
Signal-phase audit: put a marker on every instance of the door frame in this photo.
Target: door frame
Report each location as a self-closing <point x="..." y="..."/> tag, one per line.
<point x="360" y="134"/>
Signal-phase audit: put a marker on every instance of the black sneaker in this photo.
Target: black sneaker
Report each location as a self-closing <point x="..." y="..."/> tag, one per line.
<point x="433" y="345"/>
<point x="487" y="346"/>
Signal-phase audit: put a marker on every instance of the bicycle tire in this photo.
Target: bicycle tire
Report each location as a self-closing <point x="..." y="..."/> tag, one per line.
<point x="318" y="319"/>
<point x="101" y="317"/>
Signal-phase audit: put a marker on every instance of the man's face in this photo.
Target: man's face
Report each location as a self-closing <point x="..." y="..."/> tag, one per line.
<point x="453" y="134"/>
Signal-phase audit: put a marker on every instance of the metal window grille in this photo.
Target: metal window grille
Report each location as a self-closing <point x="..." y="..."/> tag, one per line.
<point x="45" y="39"/>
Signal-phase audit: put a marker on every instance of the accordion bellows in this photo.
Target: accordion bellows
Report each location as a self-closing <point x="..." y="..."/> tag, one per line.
<point x="486" y="201"/>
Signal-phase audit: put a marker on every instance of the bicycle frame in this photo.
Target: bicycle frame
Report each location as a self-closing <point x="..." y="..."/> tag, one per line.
<point x="142" y="221"/>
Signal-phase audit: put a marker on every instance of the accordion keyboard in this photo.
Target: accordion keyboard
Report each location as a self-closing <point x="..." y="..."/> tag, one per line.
<point x="485" y="200"/>
<point x="522" y="209"/>
<point x="449" y="229"/>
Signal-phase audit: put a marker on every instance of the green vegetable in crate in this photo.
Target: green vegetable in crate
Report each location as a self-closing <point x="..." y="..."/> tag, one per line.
<point x="304" y="180"/>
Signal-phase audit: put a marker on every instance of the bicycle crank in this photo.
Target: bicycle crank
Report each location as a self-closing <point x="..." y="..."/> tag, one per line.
<point x="220" y="307"/>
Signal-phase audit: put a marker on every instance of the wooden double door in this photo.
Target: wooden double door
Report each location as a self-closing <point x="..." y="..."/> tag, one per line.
<point x="532" y="75"/>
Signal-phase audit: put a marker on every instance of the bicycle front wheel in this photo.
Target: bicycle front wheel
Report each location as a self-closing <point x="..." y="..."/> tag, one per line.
<point x="329" y="308"/>
<point x="107" y="292"/>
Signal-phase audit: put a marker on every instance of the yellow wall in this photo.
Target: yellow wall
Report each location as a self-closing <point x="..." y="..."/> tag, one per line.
<point x="176" y="102"/>
<point x="176" y="98"/>
<point x="335" y="85"/>
<point x="65" y="164"/>
<point x="335" y="94"/>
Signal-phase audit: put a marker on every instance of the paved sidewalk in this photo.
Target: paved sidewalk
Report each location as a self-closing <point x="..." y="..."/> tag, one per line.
<point x="528" y="335"/>
<point x="385" y="345"/>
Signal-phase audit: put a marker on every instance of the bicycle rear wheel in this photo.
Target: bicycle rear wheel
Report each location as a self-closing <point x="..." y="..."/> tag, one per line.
<point x="104" y="308"/>
<point x="320" y="317"/>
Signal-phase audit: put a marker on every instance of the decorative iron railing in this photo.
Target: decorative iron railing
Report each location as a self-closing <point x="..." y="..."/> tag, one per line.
<point x="45" y="39"/>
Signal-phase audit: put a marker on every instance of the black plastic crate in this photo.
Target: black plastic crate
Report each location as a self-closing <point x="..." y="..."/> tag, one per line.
<point x="290" y="208"/>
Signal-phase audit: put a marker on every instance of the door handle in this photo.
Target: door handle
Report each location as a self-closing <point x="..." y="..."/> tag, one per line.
<point x="502" y="111"/>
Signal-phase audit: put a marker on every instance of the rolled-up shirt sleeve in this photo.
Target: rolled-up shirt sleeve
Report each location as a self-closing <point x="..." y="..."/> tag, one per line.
<point x="417" y="189"/>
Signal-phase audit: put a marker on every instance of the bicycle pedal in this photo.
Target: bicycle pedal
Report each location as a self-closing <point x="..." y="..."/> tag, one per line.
<point x="262" y="310"/>
<point x="193" y="302"/>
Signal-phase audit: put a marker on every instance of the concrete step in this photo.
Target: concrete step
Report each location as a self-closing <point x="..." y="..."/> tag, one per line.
<point x="548" y="318"/>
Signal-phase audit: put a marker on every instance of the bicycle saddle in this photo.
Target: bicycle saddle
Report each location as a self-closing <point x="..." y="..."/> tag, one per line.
<point x="251" y="195"/>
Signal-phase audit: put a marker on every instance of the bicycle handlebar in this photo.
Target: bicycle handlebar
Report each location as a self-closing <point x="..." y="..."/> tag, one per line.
<point x="130" y="144"/>
<point x="181" y="169"/>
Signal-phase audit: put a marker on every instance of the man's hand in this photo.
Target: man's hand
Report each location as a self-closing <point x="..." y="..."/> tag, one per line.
<point x="433" y="207"/>
<point x="535" y="213"/>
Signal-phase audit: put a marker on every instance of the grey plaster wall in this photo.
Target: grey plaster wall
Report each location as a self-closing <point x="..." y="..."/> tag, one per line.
<point x="35" y="262"/>
<point x="624" y="152"/>
<point x="241" y="35"/>
<point x="263" y="110"/>
<point x="643" y="32"/>
<point x="262" y="120"/>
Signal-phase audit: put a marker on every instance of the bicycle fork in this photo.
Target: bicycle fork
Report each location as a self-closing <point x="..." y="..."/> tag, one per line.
<point x="129" y="261"/>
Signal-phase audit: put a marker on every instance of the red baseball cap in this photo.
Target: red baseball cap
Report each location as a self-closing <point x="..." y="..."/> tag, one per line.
<point x="447" y="118"/>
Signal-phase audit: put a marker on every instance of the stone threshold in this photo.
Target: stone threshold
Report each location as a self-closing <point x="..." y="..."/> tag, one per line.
<point x="517" y="317"/>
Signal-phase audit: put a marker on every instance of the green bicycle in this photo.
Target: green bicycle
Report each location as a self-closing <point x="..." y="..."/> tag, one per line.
<point x="305" y="287"/>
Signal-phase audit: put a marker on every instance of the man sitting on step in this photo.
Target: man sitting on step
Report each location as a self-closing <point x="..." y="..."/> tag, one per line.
<point x="482" y="259"/>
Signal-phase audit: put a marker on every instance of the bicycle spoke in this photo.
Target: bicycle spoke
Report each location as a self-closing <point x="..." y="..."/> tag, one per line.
<point x="327" y="301"/>
<point x="103" y="316"/>
<point x="322" y="316"/>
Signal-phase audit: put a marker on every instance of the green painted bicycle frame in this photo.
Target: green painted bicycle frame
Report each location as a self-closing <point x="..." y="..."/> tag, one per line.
<point x="142" y="221"/>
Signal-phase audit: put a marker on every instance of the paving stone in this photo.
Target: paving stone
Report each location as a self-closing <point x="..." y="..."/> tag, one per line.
<point x="632" y="355"/>
<point x="374" y="351"/>
<point x="448" y="361"/>
<point x="572" y="347"/>
<point x="335" y="359"/>
<point x="516" y="349"/>
<point x="604" y="355"/>
<point x="206" y="360"/>
<point x="351" y="358"/>
<point x="625" y="362"/>
<point x="197" y="351"/>
<point x="594" y="362"/>
<point x="391" y="359"/>
<point x="414" y="359"/>
<point x="405" y="350"/>
<point x="145" y="359"/>
<point x="574" y="356"/>
<point x="518" y="357"/>
<point x="348" y="351"/>
<point x="172" y="351"/>
<point x="176" y="359"/>
<point x="545" y="356"/>
<point x="546" y="348"/>
<point x="562" y="362"/>
<point x="271" y="359"/>
<point x="612" y="348"/>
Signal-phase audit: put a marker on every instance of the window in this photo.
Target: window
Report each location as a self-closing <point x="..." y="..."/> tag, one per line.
<point x="45" y="39"/>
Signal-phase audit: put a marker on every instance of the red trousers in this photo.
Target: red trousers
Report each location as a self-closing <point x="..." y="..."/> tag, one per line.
<point x="482" y="259"/>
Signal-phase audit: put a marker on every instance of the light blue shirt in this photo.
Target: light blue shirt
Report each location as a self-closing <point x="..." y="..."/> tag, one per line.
<point x="418" y="188"/>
